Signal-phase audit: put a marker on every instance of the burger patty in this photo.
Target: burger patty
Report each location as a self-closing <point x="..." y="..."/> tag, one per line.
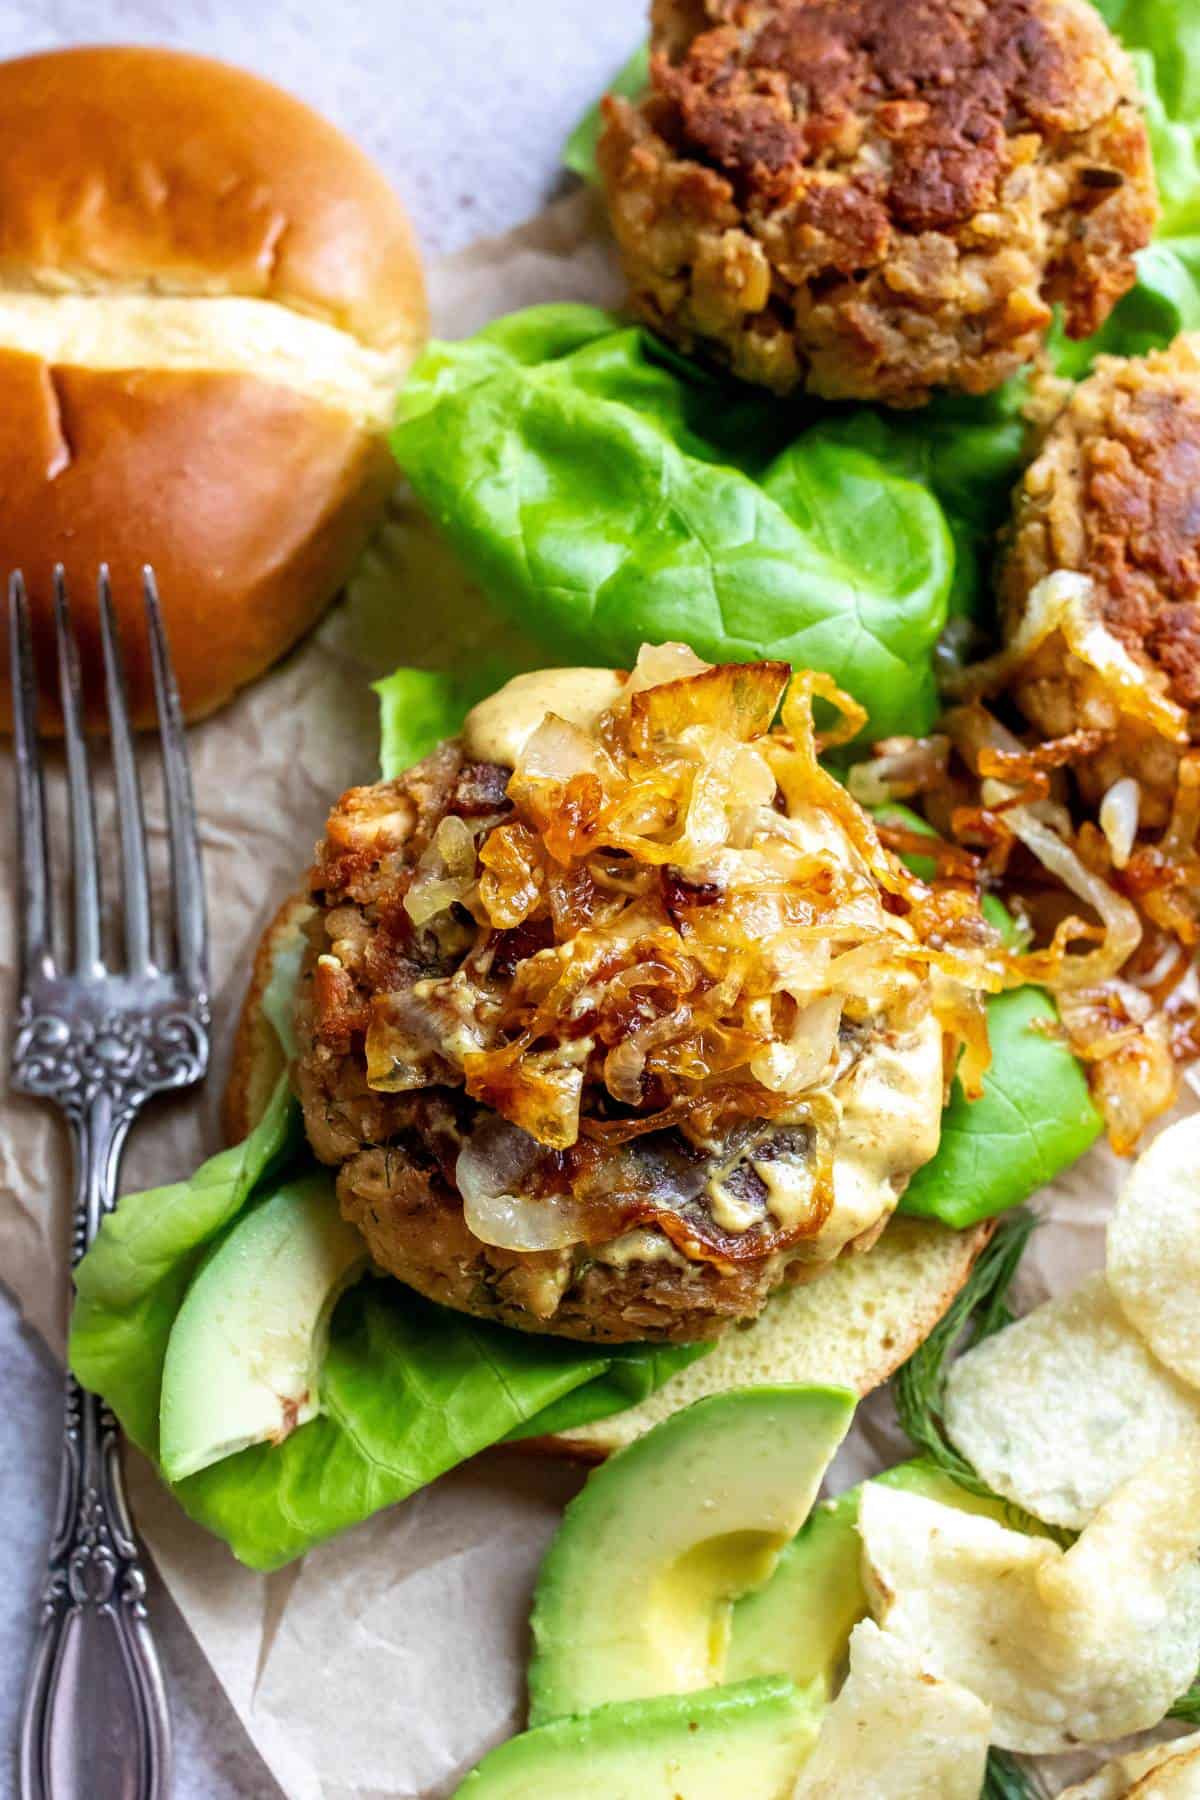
<point x="1114" y="494"/>
<point x="677" y="1238"/>
<point x="873" y="198"/>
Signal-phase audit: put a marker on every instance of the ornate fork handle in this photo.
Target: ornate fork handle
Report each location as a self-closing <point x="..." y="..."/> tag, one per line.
<point x="95" y="1722"/>
<point x="95" y="1719"/>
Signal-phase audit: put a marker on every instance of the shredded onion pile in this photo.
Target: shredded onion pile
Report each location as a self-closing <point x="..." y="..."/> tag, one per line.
<point x="680" y="920"/>
<point x="1114" y="913"/>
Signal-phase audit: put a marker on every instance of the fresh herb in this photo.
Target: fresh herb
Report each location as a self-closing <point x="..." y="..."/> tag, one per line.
<point x="980" y="1308"/>
<point x="1188" y="1705"/>
<point x="1004" y="1779"/>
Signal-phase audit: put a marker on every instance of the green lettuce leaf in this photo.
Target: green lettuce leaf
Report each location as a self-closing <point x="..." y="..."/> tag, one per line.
<point x="420" y="707"/>
<point x="1164" y="36"/>
<point x="1034" y="1118"/>
<point x="408" y="1391"/>
<point x="579" y="151"/>
<point x="606" y="492"/>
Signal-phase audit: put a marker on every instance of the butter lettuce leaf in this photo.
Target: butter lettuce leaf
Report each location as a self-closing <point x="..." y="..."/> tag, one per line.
<point x="605" y="492"/>
<point x="1034" y="1118"/>
<point x="579" y="151"/>
<point x="420" y="707"/>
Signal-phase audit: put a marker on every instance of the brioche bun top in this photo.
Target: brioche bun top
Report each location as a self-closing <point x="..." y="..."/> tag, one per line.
<point x="209" y="298"/>
<point x="138" y="169"/>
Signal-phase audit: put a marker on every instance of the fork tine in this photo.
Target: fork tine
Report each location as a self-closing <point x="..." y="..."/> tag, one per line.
<point x="34" y="894"/>
<point x="85" y="871"/>
<point x="187" y="879"/>
<point x="135" y="872"/>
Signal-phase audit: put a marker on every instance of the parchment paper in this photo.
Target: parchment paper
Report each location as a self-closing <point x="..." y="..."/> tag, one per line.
<point x="383" y="1665"/>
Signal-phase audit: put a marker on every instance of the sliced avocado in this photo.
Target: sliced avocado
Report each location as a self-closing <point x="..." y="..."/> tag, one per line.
<point x="244" y="1357"/>
<point x="799" y="1623"/>
<point x="746" y="1742"/>
<point x="635" y="1594"/>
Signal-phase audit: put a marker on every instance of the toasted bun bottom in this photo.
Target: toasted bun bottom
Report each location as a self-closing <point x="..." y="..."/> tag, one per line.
<point x="258" y="1059"/>
<point x="853" y="1327"/>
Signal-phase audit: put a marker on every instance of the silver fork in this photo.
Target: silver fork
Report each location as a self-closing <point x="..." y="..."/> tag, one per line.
<point x="99" y="1043"/>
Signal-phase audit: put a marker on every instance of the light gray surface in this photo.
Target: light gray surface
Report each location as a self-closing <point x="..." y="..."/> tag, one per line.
<point x="465" y="103"/>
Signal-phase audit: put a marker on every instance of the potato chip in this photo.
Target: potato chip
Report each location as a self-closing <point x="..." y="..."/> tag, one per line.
<point x="1163" y="1772"/>
<point x="1056" y="1411"/>
<point x="896" y="1730"/>
<point x="1154" y="1248"/>
<point x="1066" y="1647"/>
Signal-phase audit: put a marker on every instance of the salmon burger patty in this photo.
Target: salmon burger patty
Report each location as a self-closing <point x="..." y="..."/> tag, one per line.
<point x="615" y="1013"/>
<point x="1113" y="495"/>
<point x="870" y="199"/>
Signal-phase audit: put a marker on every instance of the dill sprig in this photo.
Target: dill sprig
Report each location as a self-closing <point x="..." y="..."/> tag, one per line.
<point x="1005" y="1779"/>
<point x="979" y="1309"/>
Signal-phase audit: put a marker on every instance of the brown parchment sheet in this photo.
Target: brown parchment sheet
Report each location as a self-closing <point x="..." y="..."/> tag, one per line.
<point x="383" y="1665"/>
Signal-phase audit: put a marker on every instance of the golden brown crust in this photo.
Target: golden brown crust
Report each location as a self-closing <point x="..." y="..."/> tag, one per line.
<point x="126" y="167"/>
<point x="258" y="1060"/>
<point x="1112" y="494"/>
<point x="251" y="500"/>
<point x="874" y="198"/>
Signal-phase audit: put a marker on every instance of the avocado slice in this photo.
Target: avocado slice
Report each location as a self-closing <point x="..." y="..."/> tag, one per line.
<point x="244" y="1357"/>
<point x="635" y="1593"/>
<point x="799" y="1623"/>
<point x="749" y="1741"/>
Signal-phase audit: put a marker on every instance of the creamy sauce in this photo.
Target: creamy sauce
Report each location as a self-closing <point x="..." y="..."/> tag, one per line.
<point x="891" y="1125"/>
<point x="642" y="1245"/>
<point x="730" y="1213"/>
<point x="789" y="1184"/>
<point x="498" y="729"/>
<point x="891" y="1108"/>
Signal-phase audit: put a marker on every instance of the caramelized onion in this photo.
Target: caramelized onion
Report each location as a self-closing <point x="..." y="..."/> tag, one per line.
<point x="1126" y="1046"/>
<point x="1121" y="928"/>
<point x="900" y="768"/>
<point x="789" y="1065"/>
<point x="659" y="663"/>
<point x="445" y="873"/>
<point x="671" y="920"/>
<point x="492" y="1167"/>
<point x="1065" y="602"/>
<point x="1119" y="818"/>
